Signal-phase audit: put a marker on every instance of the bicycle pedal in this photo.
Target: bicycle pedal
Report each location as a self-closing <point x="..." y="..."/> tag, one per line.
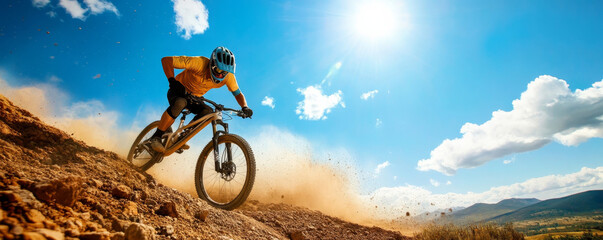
<point x="179" y="151"/>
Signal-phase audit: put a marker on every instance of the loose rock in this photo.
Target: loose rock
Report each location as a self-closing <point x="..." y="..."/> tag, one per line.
<point x="51" y="234"/>
<point x="118" y="236"/>
<point x="202" y="215"/>
<point x="298" y="235"/>
<point x="63" y="191"/>
<point x="130" y="209"/>
<point x="96" y="183"/>
<point x="138" y="231"/>
<point x="168" y="209"/>
<point x="122" y="191"/>
<point x="35" y="216"/>
<point x="33" y="236"/>
<point x="166" y="230"/>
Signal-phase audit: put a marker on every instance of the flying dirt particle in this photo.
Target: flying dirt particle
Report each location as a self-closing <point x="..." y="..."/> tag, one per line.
<point x="97" y="76"/>
<point x="51" y="57"/>
<point x="47" y="32"/>
<point x="39" y="30"/>
<point x="79" y="28"/>
<point x="432" y="204"/>
<point x="442" y="214"/>
<point x="99" y="114"/>
<point x="56" y="44"/>
<point x="408" y="214"/>
<point x="282" y="196"/>
<point x="450" y="209"/>
<point x="118" y="42"/>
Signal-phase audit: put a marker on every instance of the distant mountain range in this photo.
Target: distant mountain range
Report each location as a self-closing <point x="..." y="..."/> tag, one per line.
<point x="511" y="210"/>
<point x="585" y="203"/>
<point x="481" y="211"/>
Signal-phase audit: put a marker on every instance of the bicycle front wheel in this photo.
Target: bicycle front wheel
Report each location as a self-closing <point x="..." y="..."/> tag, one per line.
<point x="228" y="187"/>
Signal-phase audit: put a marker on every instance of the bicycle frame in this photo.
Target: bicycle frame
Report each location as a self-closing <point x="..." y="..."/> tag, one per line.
<point x="215" y="119"/>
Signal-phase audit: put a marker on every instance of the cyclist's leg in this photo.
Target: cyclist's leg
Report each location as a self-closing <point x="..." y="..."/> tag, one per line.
<point x="177" y="104"/>
<point x="200" y="109"/>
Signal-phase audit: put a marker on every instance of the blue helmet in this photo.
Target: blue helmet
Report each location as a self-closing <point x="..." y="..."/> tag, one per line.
<point x="222" y="62"/>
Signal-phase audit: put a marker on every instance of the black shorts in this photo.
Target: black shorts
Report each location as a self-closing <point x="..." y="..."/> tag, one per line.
<point x="179" y="102"/>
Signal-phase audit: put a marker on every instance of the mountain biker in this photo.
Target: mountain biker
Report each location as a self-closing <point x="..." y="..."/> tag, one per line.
<point x="199" y="76"/>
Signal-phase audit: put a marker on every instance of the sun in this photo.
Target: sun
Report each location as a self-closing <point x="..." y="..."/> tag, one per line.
<point x="374" y="20"/>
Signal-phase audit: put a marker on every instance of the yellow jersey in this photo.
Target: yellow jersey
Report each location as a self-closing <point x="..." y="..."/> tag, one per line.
<point x="196" y="76"/>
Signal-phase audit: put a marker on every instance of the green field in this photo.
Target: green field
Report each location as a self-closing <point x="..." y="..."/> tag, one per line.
<point x="575" y="235"/>
<point x="560" y="225"/>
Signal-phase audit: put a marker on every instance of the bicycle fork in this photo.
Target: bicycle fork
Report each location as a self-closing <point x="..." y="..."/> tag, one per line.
<point x="219" y="164"/>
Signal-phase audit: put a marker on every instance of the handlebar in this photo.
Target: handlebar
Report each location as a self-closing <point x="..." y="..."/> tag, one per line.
<point x="218" y="107"/>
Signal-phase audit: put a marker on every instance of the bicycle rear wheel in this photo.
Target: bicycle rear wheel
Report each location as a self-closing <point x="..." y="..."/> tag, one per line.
<point x="229" y="188"/>
<point x="141" y="154"/>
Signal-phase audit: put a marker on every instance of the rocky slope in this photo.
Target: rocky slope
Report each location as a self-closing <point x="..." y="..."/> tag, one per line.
<point x="55" y="187"/>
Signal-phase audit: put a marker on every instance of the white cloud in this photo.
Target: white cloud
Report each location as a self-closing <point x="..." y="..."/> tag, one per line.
<point x="378" y="122"/>
<point x="547" y="111"/>
<point x="381" y="167"/>
<point x="417" y="200"/>
<point x="40" y="3"/>
<point x="448" y="182"/>
<point x="191" y="17"/>
<point x="434" y="182"/>
<point x="99" y="6"/>
<point x="74" y="8"/>
<point x="316" y="105"/>
<point x="268" y="101"/>
<point x="370" y="94"/>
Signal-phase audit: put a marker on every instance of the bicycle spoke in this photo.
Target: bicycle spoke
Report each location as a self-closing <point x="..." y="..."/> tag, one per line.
<point x="231" y="186"/>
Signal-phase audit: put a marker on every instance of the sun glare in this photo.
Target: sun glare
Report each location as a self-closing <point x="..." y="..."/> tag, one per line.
<point x="374" y="20"/>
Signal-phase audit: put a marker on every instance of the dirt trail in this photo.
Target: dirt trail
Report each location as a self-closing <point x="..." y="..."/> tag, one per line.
<point x="55" y="187"/>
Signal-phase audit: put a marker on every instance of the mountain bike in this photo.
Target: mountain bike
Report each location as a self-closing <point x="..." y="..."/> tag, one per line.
<point x="225" y="170"/>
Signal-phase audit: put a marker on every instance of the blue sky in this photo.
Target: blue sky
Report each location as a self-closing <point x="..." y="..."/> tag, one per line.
<point x="431" y="66"/>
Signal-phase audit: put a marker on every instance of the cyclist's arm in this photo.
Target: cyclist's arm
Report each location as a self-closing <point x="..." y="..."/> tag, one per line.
<point x="168" y="66"/>
<point x="233" y="87"/>
<point x="241" y="100"/>
<point x="171" y="63"/>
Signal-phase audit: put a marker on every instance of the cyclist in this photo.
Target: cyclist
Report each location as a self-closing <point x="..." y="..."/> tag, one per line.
<point x="199" y="76"/>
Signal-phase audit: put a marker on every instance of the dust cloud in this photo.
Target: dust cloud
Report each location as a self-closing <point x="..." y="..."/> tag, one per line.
<point x="288" y="170"/>
<point x="87" y="121"/>
<point x="288" y="173"/>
